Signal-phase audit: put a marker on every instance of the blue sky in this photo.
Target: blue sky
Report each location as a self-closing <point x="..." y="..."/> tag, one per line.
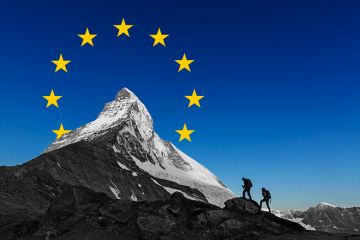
<point x="281" y="81"/>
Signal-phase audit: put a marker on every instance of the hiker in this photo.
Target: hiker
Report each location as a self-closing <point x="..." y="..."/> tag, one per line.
<point x="247" y="186"/>
<point x="266" y="197"/>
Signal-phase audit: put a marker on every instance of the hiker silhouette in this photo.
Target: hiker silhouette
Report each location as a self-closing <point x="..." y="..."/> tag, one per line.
<point x="266" y="197"/>
<point x="247" y="187"/>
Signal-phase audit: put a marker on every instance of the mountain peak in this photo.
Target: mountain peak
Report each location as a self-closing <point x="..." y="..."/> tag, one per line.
<point x="125" y="107"/>
<point x="324" y="206"/>
<point x="125" y="93"/>
<point x="125" y="127"/>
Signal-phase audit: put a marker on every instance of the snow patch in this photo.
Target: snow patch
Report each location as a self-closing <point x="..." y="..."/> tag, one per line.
<point x="123" y="166"/>
<point x="156" y="182"/>
<point x="114" y="189"/>
<point x="326" y="204"/>
<point x="133" y="197"/>
<point x="134" y="174"/>
<point x="172" y="190"/>
<point x="306" y="226"/>
<point x="59" y="165"/>
<point x="297" y="220"/>
<point x="195" y="176"/>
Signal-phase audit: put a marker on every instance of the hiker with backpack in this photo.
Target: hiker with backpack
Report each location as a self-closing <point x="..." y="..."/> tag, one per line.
<point x="247" y="186"/>
<point x="266" y="198"/>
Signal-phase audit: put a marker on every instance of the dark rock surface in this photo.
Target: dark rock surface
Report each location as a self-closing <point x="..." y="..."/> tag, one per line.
<point x="80" y="213"/>
<point x="30" y="187"/>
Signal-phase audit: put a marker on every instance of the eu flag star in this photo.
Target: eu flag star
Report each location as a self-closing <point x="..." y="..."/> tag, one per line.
<point x="87" y="38"/>
<point x="185" y="133"/>
<point x="52" y="99"/>
<point x="61" y="131"/>
<point x="194" y="99"/>
<point x="159" y="38"/>
<point x="61" y="63"/>
<point x="184" y="63"/>
<point x="123" y="28"/>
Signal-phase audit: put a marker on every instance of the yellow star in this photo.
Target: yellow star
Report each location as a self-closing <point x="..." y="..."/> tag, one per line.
<point x="194" y="99"/>
<point x="61" y="63"/>
<point x="52" y="99"/>
<point x="59" y="133"/>
<point x="123" y="28"/>
<point x="185" y="133"/>
<point x="87" y="37"/>
<point x="184" y="63"/>
<point x="159" y="38"/>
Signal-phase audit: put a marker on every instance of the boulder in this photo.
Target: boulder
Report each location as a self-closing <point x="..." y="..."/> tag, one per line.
<point x="155" y="224"/>
<point x="234" y="226"/>
<point x="211" y="218"/>
<point x="242" y="204"/>
<point x="121" y="211"/>
<point x="152" y="227"/>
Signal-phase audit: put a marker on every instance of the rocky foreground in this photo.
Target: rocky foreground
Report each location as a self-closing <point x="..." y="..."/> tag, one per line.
<point x="80" y="213"/>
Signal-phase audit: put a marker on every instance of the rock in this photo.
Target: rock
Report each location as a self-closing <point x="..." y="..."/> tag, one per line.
<point x="82" y="214"/>
<point x="215" y="217"/>
<point x="84" y="195"/>
<point x="174" y="210"/>
<point x="155" y="224"/>
<point x="241" y="204"/>
<point x="211" y="218"/>
<point x="234" y="226"/>
<point x="178" y="197"/>
<point x="121" y="211"/>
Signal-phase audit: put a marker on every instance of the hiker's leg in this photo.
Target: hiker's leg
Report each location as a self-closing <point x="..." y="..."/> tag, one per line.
<point x="261" y="203"/>
<point x="267" y="204"/>
<point x="244" y="191"/>
<point x="249" y="194"/>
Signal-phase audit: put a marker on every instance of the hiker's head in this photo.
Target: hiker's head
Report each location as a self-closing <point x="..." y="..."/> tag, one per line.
<point x="263" y="189"/>
<point x="243" y="178"/>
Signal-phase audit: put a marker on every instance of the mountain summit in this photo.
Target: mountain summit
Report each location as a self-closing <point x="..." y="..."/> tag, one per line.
<point x="125" y="128"/>
<point x="125" y="108"/>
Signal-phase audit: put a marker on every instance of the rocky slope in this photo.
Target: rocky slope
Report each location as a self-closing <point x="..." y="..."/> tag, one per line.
<point x="80" y="213"/>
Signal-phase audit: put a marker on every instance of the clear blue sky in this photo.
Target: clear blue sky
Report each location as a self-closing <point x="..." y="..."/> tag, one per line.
<point x="281" y="81"/>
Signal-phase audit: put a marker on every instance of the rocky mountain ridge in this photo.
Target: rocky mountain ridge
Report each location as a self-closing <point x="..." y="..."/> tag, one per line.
<point x="326" y="217"/>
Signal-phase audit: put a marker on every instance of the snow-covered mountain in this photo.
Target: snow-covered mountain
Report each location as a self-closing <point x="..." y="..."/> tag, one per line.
<point x="325" y="217"/>
<point x="126" y="128"/>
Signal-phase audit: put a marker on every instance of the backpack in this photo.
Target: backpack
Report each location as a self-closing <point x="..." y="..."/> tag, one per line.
<point x="248" y="183"/>
<point x="268" y="194"/>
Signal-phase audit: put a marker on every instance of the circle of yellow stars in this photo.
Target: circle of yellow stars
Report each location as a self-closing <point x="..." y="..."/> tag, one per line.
<point x="123" y="29"/>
